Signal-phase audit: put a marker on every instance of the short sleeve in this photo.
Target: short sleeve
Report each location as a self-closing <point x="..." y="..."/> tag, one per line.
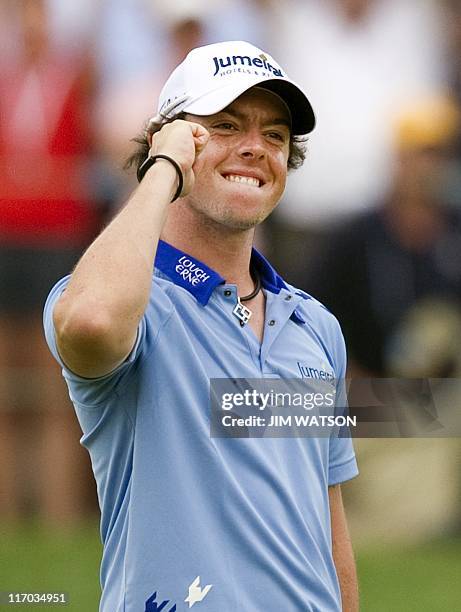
<point x="95" y="391"/>
<point x="342" y="464"/>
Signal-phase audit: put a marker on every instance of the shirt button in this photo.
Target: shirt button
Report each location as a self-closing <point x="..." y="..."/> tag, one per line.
<point x="227" y="292"/>
<point x="288" y="298"/>
<point x="272" y="322"/>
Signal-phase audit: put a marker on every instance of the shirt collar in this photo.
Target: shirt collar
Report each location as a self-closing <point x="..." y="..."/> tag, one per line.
<point x="200" y="280"/>
<point x="272" y="281"/>
<point x="187" y="272"/>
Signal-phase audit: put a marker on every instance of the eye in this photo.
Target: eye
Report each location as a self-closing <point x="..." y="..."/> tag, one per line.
<point x="277" y="136"/>
<point x="224" y="125"/>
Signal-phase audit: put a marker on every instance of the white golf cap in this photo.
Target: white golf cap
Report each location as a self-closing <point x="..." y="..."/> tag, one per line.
<point x="213" y="76"/>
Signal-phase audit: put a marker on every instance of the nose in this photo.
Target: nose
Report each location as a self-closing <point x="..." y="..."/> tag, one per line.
<point x="252" y="145"/>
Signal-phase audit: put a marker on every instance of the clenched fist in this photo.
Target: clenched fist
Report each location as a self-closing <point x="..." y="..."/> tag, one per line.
<point x="182" y="141"/>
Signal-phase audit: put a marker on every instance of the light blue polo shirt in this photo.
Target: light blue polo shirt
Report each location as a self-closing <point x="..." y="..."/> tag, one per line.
<point x="188" y="520"/>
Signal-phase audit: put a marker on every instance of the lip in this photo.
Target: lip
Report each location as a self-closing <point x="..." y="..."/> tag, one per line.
<point x="247" y="173"/>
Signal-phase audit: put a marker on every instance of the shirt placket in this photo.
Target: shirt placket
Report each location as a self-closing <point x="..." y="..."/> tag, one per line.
<point x="279" y="309"/>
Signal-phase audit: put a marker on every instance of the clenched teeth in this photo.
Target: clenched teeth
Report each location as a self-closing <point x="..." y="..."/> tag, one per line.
<point x="248" y="180"/>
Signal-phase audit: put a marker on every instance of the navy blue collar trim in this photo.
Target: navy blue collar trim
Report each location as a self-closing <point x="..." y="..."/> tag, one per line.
<point x="200" y="280"/>
<point x="271" y="280"/>
<point x="187" y="272"/>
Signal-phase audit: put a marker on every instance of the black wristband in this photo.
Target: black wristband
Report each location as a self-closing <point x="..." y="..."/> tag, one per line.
<point x="150" y="161"/>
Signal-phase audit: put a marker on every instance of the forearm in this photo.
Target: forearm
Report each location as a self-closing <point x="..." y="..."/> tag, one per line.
<point x="97" y="316"/>
<point x="347" y="576"/>
<point x="115" y="273"/>
<point x="343" y="554"/>
<point x="110" y="286"/>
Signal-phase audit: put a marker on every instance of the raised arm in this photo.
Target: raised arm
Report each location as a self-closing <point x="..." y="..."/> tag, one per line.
<point x="97" y="316"/>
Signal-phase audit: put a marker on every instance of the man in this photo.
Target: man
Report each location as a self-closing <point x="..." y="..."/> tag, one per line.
<point x="189" y="519"/>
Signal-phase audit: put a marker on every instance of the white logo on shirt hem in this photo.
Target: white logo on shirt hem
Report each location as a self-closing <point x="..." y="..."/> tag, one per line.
<point x="196" y="594"/>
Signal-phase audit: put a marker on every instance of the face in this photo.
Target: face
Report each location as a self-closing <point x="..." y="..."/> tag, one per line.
<point x="241" y="173"/>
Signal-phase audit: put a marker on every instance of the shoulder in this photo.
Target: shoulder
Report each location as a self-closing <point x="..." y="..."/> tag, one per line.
<point x="324" y="326"/>
<point x="314" y="309"/>
<point x="157" y="313"/>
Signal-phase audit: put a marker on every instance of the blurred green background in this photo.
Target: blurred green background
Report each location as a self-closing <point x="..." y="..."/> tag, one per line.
<point x="422" y="578"/>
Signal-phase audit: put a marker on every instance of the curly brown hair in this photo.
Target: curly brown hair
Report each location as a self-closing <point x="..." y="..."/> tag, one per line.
<point x="296" y="157"/>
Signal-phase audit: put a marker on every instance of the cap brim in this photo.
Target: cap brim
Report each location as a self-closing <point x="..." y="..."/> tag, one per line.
<point x="302" y="114"/>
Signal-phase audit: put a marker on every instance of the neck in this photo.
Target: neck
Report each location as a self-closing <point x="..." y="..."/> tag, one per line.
<point x="225" y="250"/>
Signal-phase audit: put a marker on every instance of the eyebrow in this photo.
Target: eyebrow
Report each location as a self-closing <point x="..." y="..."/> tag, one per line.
<point x="238" y="115"/>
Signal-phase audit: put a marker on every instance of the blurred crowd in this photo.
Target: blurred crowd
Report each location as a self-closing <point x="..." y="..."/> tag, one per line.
<point x="370" y="225"/>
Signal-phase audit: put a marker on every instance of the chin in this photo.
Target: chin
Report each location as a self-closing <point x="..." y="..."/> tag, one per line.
<point x="243" y="224"/>
<point x="233" y="222"/>
<point x="243" y="221"/>
<point x="245" y="216"/>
